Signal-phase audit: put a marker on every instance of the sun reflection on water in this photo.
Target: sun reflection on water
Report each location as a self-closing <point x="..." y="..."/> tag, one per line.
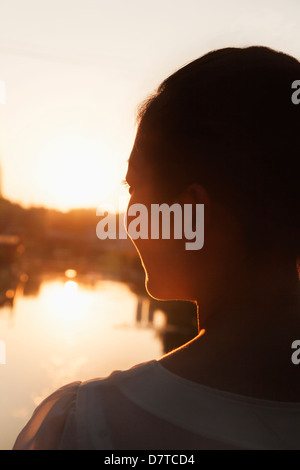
<point x="69" y="331"/>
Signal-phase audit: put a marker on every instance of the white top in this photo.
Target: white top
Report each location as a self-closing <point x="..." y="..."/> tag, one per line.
<point x="148" y="407"/>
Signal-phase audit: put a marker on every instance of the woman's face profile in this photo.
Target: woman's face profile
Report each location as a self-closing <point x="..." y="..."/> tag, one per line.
<point x="161" y="258"/>
<point x="172" y="271"/>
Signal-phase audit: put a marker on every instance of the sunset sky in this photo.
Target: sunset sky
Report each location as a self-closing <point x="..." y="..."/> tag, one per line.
<point x="75" y="71"/>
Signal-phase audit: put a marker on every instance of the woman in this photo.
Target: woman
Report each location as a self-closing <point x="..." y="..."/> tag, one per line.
<point x="222" y="131"/>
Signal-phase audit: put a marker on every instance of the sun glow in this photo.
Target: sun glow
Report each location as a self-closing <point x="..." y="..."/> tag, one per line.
<point x="77" y="171"/>
<point x="70" y="273"/>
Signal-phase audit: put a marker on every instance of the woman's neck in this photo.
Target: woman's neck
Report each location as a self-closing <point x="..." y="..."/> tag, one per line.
<point x="244" y="342"/>
<point x="253" y="296"/>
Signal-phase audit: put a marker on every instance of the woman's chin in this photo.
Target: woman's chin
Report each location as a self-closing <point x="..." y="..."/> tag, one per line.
<point x="155" y="289"/>
<point x="158" y="290"/>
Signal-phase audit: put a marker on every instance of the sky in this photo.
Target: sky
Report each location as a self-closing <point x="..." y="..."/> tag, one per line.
<point x="76" y="70"/>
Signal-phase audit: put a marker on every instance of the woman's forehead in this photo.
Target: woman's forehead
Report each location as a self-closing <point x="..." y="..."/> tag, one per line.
<point x="133" y="157"/>
<point x="136" y="161"/>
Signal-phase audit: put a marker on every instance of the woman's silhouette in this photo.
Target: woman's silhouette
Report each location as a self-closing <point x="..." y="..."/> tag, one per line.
<point x="222" y="131"/>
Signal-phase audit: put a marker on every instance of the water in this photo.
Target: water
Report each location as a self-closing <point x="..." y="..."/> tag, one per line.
<point x="60" y="330"/>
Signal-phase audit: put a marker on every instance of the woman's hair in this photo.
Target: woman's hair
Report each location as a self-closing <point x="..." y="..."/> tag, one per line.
<point x="227" y="121"/>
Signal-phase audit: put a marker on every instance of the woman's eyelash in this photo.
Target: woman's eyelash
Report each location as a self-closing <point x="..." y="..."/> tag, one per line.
<point x="125" y="183"/>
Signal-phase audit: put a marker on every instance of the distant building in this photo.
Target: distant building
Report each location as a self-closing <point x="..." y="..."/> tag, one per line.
<point x="8" y="248"/>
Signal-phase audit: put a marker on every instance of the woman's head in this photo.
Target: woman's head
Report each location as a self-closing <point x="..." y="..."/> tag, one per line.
<point x="221" y="131"/>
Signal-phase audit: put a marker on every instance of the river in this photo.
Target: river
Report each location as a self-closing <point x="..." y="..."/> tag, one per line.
<point x="61" y="329"/>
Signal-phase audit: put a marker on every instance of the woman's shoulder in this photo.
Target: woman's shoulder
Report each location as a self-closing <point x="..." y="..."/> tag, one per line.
<point x="47" y="424"/>
<point x="119" y="377"/>
<point x="64" y="418"/>
<point x="86" y="415"/>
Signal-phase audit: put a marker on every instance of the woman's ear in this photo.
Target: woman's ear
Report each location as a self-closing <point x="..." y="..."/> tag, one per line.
<point x="195" y="194"/>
